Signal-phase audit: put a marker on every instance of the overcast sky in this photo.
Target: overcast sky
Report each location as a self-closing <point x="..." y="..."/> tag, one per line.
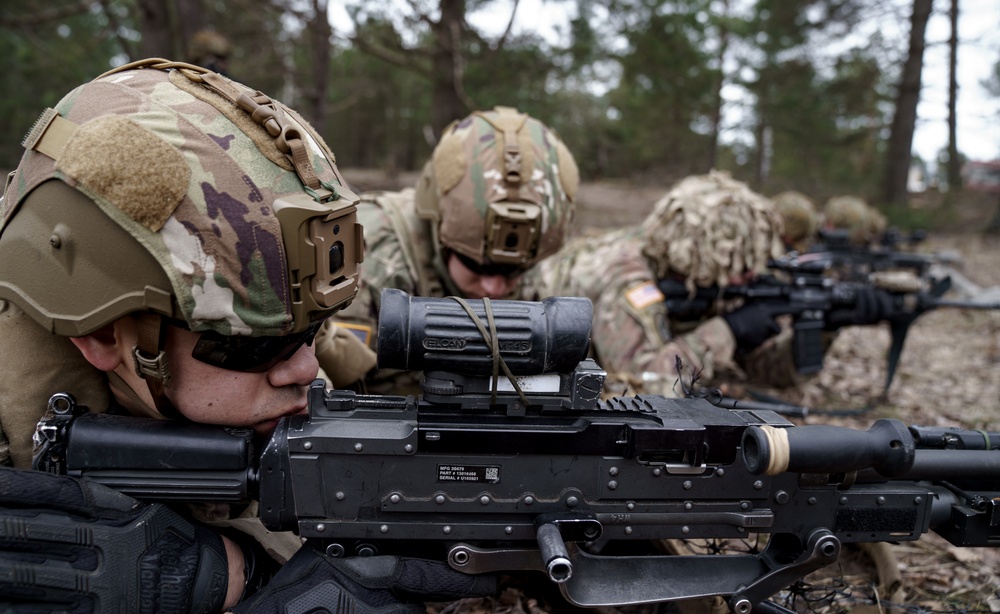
<point x="979" y="32"/>
<point x="978" y="112"/>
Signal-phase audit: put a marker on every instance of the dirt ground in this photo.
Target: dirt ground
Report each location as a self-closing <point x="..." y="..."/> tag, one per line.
<point x="948" y="375"/>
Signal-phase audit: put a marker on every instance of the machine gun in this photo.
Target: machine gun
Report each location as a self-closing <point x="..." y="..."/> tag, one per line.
<point x="804" y="289"/>
<point x="538" y="474"/>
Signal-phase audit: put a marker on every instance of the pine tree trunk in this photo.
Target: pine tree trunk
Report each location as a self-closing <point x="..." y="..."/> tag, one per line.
<point x="713" y="146"/>
<point x="155" y="25"/>
<point x="447" y="66"/>
<point x="905" y="118"/>
<point x="320" y="32"/>
<point x="954" y="163"/>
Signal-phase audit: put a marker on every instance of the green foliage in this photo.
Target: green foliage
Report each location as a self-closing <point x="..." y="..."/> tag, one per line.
<point x="633" y="89"/>
<point x="992" y="84"/>
<point x="519" y="77"/>
<point x="44" y="61"/>
<point x="826" y="122"/>
<point x="378" y="111"/>
<point x="666" y="85"/>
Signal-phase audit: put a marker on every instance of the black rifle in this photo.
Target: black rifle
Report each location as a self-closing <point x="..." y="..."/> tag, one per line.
<point x="854" y="262"/>
<point x="545" y="476"/>
<point x="804" y="290"/>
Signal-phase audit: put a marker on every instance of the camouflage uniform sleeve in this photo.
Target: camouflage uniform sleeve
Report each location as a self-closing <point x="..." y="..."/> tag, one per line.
<point x="639" y="342"/>
<point x="632" y="336"/>
<point x="383" y="267"/>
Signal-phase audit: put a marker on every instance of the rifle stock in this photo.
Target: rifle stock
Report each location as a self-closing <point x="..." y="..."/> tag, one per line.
<point x="553" y="486"/>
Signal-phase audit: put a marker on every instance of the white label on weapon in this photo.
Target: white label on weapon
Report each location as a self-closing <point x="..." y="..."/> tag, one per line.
<point x="548" y="382"/>
<point x="486" y="474"/>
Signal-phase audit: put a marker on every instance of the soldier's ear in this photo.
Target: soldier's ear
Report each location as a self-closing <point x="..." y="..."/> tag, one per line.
<point x="105" y="348"/>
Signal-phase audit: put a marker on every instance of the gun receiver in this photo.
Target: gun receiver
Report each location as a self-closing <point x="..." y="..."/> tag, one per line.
<point x="551" y="486"/>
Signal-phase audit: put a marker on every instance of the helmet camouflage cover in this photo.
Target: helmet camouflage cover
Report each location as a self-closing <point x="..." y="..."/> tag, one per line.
<point x="798" y="214"/>
<point x="853" y="215"/>
<point x="206" y="44"/>
<point x="232" y="197"/>
<point x="711" y="228"/>
<point x="878" y="223"/>
<point x="499" y="188"/>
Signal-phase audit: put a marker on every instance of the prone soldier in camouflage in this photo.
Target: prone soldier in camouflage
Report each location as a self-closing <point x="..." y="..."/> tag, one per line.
<point x="169" y="245"/>
<point x="708" y="229"/>
<point x="211" y="50"/>
<point x="800" y="218"/>
<point x="496" y="197"/>
<point x="862" y="222"/>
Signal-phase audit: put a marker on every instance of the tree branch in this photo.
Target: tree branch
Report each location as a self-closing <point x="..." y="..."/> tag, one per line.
<point x="45" y="16"/>
<point x="126" y="44"/>
<point x="390" y="56"/>
<point x="421" y="16"/>
<point x="510" y="26"/>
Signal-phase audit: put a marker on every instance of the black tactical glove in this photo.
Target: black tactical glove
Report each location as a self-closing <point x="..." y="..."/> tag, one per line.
<point x="314" y="582"/>
<point x="74" y="546"/>
<point x="752" y="324"/>
<point x="870" y="306"/>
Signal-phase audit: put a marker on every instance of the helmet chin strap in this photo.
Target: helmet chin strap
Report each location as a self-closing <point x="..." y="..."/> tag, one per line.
<point x="151" y="363"/>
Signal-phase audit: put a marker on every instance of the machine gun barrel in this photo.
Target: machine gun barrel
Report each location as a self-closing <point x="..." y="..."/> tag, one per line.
<point x="887" y="447"/>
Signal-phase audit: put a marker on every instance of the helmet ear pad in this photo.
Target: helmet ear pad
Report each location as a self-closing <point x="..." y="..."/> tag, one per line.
<point x="72" y="268"/>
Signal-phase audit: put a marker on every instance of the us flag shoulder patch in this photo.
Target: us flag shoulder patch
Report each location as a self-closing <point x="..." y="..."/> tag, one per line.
<point x="644" y="295"/>
<point x="362" y="332"/>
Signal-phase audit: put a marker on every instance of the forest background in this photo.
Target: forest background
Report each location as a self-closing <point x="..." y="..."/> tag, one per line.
<point x="642" y="91"/>
<point x="821" y="96"/>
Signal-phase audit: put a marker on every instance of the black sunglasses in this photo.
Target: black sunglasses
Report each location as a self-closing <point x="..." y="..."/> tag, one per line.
<point x="250" y="354"/>
<point x="489" y="269"/>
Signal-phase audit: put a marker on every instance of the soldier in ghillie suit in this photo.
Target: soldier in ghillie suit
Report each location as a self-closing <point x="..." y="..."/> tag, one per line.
<point x="707" y="230"/>
<point x="800" y="219"/>
<point x="496" y="197"/>
<point x="851" y="214"/>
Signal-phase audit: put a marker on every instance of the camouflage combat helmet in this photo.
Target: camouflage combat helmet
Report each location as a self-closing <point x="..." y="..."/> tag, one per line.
<point x="851" y="214"/>
<point x="799" y="215"/>
<point x="207" y="47"/>
<point x="878" y="223"/>
<point x="499" y="189"/>
<point x="709" y="229"/>
<point x="167" y="190"/>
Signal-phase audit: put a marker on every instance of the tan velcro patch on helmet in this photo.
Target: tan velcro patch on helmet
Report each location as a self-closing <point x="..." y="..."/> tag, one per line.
<point x="104" y="151"/>
<point x="449" y="162"/>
